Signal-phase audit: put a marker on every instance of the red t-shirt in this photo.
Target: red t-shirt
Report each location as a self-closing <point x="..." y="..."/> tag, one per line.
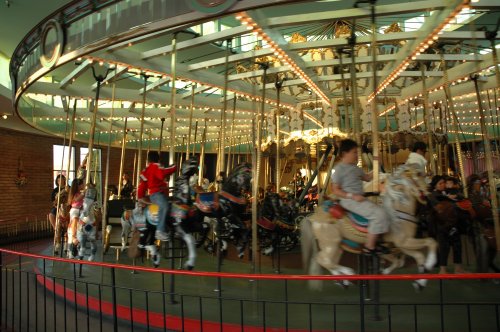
<point x="153" y="179"/>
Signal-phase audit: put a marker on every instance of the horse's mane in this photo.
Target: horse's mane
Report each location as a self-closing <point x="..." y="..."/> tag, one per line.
<point x="394" y="185"/>
<point x="230" y="184"/>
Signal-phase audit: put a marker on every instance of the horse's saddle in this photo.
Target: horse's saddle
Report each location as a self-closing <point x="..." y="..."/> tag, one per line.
<point x="207" y="202"/>
<point x="270" y="225"/>
<point x="338" y="212"/>
<point x="232" y="198"/>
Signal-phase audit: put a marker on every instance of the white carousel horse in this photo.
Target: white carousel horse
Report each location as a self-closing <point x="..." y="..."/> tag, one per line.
<point x="402" y="192"/>
<point x="86" y="230"/>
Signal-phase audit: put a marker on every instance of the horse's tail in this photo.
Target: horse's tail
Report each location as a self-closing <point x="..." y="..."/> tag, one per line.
<point x="309" y="249"/>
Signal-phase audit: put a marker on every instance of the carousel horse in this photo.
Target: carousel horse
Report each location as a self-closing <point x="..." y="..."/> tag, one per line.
<point x="278" y="224"/>
<point x="336" y="229"/>
<point x="85" y="230"/>
<point x="143" y="219"/>
<point x="183" y="220"/>
<point x="226" y="208"/>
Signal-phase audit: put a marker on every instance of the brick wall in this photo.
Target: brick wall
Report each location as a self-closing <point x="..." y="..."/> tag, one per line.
<point x="33" y="199"/>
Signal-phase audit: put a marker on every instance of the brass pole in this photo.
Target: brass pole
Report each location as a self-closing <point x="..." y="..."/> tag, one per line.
<point x="388" y="139"/>
<point x="135" y="168"/>
<point x="72" y="135"/>
<point x="195" y="136"/>
<point x="92" y="130"/>
<point x="229" y="153"/>
<point x="161" y="134"/>
<point x="96" y="158"/>
<point x="122" y="158"/>
<point x="489" y="162"/>
<point x="375" y="135"/>
<point x="451" y="107"/>
<point x="108" y="152"/>
<point x="173" y="64"/>
<point x="221" y="162"/>
<point x="181" y="157"/>
<point x="344" y="93"/>
<point x="257" y="174"/>
<point x="278" y="84"/>
<point x="427" y="118"/>
<point x="191" y="108"/>
<point x="202" y="154"/>
<point x="56" y="226"/>
<point x="141" y="131"/>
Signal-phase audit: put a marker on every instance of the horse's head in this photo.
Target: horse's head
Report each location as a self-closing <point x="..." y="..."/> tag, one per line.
<point x="239" y="179"/>
<point x="412" y="178"/>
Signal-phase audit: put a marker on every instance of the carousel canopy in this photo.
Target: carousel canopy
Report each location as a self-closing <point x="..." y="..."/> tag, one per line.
<point x="216" y="65"/>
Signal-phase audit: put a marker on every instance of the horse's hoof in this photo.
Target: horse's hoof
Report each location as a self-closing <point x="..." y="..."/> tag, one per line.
<point x="91" y="258"/>
<point x="189" y="267"/>
<point x="418" y="287"/>
<point x="268" y="251"/>
<point x="344" y="284"/>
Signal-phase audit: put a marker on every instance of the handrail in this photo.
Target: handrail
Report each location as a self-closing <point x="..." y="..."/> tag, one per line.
<point x="262" y="276"/>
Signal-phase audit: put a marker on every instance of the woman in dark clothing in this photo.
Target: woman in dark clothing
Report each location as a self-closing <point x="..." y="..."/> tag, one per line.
<point x="60" y="182"/>
<point x="127" y="187"/>
<point x="446" y="219"/>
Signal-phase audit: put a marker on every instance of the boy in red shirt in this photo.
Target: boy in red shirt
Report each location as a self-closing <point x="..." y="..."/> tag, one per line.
<point x="153" y="183"/>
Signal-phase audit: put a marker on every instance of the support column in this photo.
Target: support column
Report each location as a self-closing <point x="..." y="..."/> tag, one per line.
<point x="489" y="162"/>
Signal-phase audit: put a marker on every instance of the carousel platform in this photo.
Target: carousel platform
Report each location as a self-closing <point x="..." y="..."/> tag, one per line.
<point x="202" y="302"/>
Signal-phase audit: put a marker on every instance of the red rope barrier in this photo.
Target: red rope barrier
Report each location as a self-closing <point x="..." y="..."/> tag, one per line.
<point x="462" y="276"/>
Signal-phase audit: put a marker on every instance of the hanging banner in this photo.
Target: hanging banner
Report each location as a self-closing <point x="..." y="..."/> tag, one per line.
<point x="366" y="119"/>
<point x="296" y="122"/>
<point x="329" y="117"/>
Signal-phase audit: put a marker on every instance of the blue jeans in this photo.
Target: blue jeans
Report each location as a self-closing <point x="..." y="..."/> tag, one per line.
<point x="160" y="200"/>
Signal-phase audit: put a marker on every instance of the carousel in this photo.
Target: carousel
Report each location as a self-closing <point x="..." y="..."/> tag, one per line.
<point x="250" y="101"/>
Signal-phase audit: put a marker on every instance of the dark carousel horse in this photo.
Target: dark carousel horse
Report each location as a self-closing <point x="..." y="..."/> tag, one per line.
<point x="183" y="222"/>
<point x="226" y="210"/>
<point x="278" y="224"/>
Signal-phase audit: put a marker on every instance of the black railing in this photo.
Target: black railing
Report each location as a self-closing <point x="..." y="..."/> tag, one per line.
<point x="41" y="293"/>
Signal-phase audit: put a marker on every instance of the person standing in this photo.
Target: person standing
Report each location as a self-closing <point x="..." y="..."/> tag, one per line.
<point x="347" y="184"/>
<point x="60" y="182"/>
<point x="127" y="187"/>
<point x="152" y="182"/>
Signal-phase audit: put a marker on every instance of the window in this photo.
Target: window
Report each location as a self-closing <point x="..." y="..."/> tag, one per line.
<point x="60" y="164"/>
<point x="95" y="165"/>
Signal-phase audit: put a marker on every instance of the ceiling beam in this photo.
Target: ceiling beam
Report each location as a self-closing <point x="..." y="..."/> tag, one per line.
<point x="79" y="70"/>
<point x="352" y="13"/>
<point x="197" y="90"/>
<point x="204" y="77"/>
<point x="347" y="61"/>
<point x="133" y="95"/>
<point x="259" y="17"/>
<point x="155" y="84"/>
<point x="484" y="61"/>
<point x="333" y="43"/>
<point x="197" y="41"/>
<point x="114" y="74"/>
<point x="430" y="23"/>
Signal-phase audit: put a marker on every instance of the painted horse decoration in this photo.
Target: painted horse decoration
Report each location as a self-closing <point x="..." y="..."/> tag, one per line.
<point x="85" y="230"/>
<point x="278" y="224"/>
<point x="184" y="220"/>
<point x="336" y="230"/>
<point x="226" y="209"/>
